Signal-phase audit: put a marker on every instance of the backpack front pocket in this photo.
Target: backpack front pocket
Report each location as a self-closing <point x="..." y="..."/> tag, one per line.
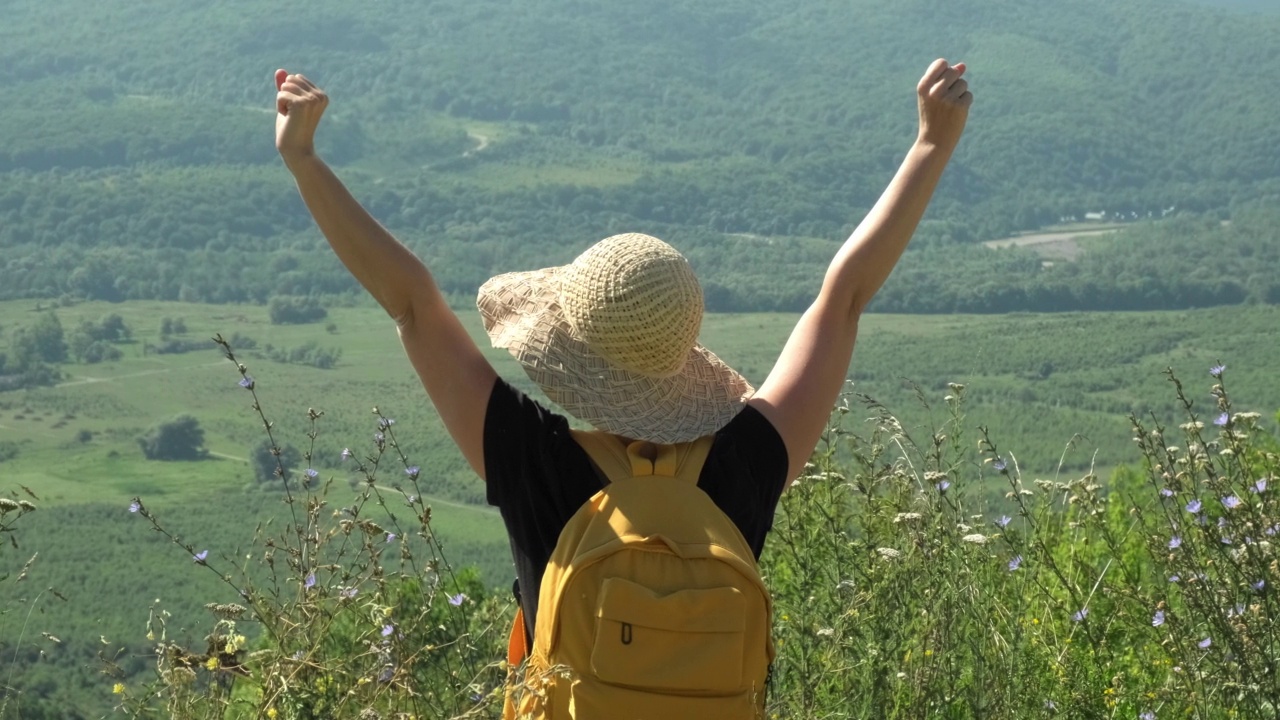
<point x="689" y="640"/>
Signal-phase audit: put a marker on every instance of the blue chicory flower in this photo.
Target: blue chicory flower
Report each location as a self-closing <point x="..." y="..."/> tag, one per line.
<point x="1081" y="615"/>
<point x="135" y="506"/>
<point x="310" y="581"/>
<point x="246" y="382"/>
<point x="391" y="537"/>
<point x="457" y="600"/>
<point x="387" y="630"/>
<point x="1217" y="370"/>
<point x="411" y="471"/>
<point x="1193" y="506"/>
<point x="1260" y="486"/>
<point x="1015" y="563"/>
<point x="1148" y="715"/>
<point x="1004" y="521"/>
<point x="346" y="453"/>
<point x="200" y="556"/>
<point x="1175" y="542"/>
<point x="999" y="464"/>
<point x="1166" y="492"/>
<point x="1158" y="619"/>
<point x="942" y="486"/>
<point x="1205" y="643"/>
<point x="1222" y="420"/>
<point x="1231" y="502"/>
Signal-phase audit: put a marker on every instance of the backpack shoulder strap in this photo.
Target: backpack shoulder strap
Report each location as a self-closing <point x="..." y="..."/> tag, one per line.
<point x="619" y="460"/>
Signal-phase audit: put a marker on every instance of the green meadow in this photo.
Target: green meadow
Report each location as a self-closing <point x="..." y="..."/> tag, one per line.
<point x="1054" y="390"/>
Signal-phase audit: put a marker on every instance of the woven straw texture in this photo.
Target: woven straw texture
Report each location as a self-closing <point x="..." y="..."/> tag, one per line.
<point x="612" y="339"/>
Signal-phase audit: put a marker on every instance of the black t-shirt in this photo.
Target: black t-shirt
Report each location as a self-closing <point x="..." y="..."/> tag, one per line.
<point x="538" y="477"/>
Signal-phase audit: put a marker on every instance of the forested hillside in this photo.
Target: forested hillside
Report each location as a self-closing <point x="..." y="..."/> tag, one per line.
<point x="137" y="158"/>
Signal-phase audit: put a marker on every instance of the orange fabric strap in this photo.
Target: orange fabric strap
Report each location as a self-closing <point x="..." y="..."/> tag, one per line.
<point x="517" y="642"/>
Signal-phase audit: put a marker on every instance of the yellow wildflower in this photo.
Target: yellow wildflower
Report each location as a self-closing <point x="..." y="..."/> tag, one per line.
<point x="212" y="663"/>
<point x="118" y="688"/>
<point x="272" y="713"/>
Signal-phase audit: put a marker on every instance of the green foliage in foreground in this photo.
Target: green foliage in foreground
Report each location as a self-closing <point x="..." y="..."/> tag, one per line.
<point x="899" y="592"/>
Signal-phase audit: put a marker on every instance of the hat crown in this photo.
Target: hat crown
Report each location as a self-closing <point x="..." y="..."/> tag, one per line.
<point x="636" y="301"/>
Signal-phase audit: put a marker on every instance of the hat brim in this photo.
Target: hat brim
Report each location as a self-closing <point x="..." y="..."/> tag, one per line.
<point x="521" y="312"/>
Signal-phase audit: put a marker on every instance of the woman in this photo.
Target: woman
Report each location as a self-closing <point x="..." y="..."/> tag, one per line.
<point x="612" y="339"/>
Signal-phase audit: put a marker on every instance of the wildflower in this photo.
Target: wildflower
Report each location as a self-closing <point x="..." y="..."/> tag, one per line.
<point x="118" y="688"/>
<point x="298" y="655"/>
<point x="1004" y="521"/>
<point x="387" y="630"/>
<point x="1166" y="492"/>
<point x="135" y="506"/>
<point x="1175" y="542"/>
<point x="1231" y="502"/>
<point x="379" y="437"/>
<point x="999" y="464"/>
<point x="1217" y="370"/>
<point x="1223" y="522"/>
<point x="1015" y="563"/>
<point x="1226" y="540"/>
<point x="391" y="537"/>
<point x="1205" y="643"/>
<point x="942" y="486"/>
<point x="975" y="538"/>
<point x="1258" y="586"/>
<point x="1158" y="619"/>
<point x="212" y="663"/>
<point x="826" y="632"/>
<point x="888" y="553"/>
<point x="246" y="382"/>
<point x="272" y="713"/>
<point x="1148" y="715"/>
<point x="457" y="600"/>
<point x="346" y="453"/>
<point x="411" y="471"/>
<point x="348" y="593"/>
<point x="385" y="423"/>
<point x="313" y="473"/>
<point x="200" y="556"/>
<point x="1222" y="420"/>
<point x="310" y="582"/>
<point x="1260" y="486"/>
<point x="1081" y="615"/>
<point x="1049" y="705"/>
<point x="413" y="499"/>
<point x="1193" y="507"/>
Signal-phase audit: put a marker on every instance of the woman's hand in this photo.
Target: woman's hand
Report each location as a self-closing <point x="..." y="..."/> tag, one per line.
<point x="944" y="101"/>
<point x="299" y="106"/>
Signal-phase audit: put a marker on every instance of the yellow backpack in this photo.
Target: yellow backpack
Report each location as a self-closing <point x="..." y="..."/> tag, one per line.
<point x="652" y="606"/>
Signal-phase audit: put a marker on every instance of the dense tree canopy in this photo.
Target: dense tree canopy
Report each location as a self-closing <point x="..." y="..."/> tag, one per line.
<point x="138" y="163"/>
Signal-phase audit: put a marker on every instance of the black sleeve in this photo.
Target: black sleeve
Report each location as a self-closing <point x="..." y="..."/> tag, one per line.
<point x="537" y="477"/>
<point x="745" y="474"/>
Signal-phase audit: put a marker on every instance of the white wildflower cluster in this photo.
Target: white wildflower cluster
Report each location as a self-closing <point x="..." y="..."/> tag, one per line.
<point x="906" y="517"/>
<point x="888" y="553"/>
<point x="975" y="538"/>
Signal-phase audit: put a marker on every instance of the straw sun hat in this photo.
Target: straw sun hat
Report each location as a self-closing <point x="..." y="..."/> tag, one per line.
<point x="612" y="339"/>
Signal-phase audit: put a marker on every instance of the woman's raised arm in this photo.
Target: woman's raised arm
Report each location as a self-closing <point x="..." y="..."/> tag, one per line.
<point x="799" y="392"/>
<point x="454" y="371"/>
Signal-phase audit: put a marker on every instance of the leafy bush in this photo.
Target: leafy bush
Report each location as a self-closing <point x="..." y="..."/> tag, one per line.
<point x="179" y="438"/>
<point x="309" y="353"/>
<point x="285" y="310"/>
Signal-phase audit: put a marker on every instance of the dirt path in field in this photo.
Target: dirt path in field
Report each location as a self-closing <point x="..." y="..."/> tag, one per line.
<point x="89" y="380"/>
<point x="1061" y="245"/>
<point x="482" y="142"/>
